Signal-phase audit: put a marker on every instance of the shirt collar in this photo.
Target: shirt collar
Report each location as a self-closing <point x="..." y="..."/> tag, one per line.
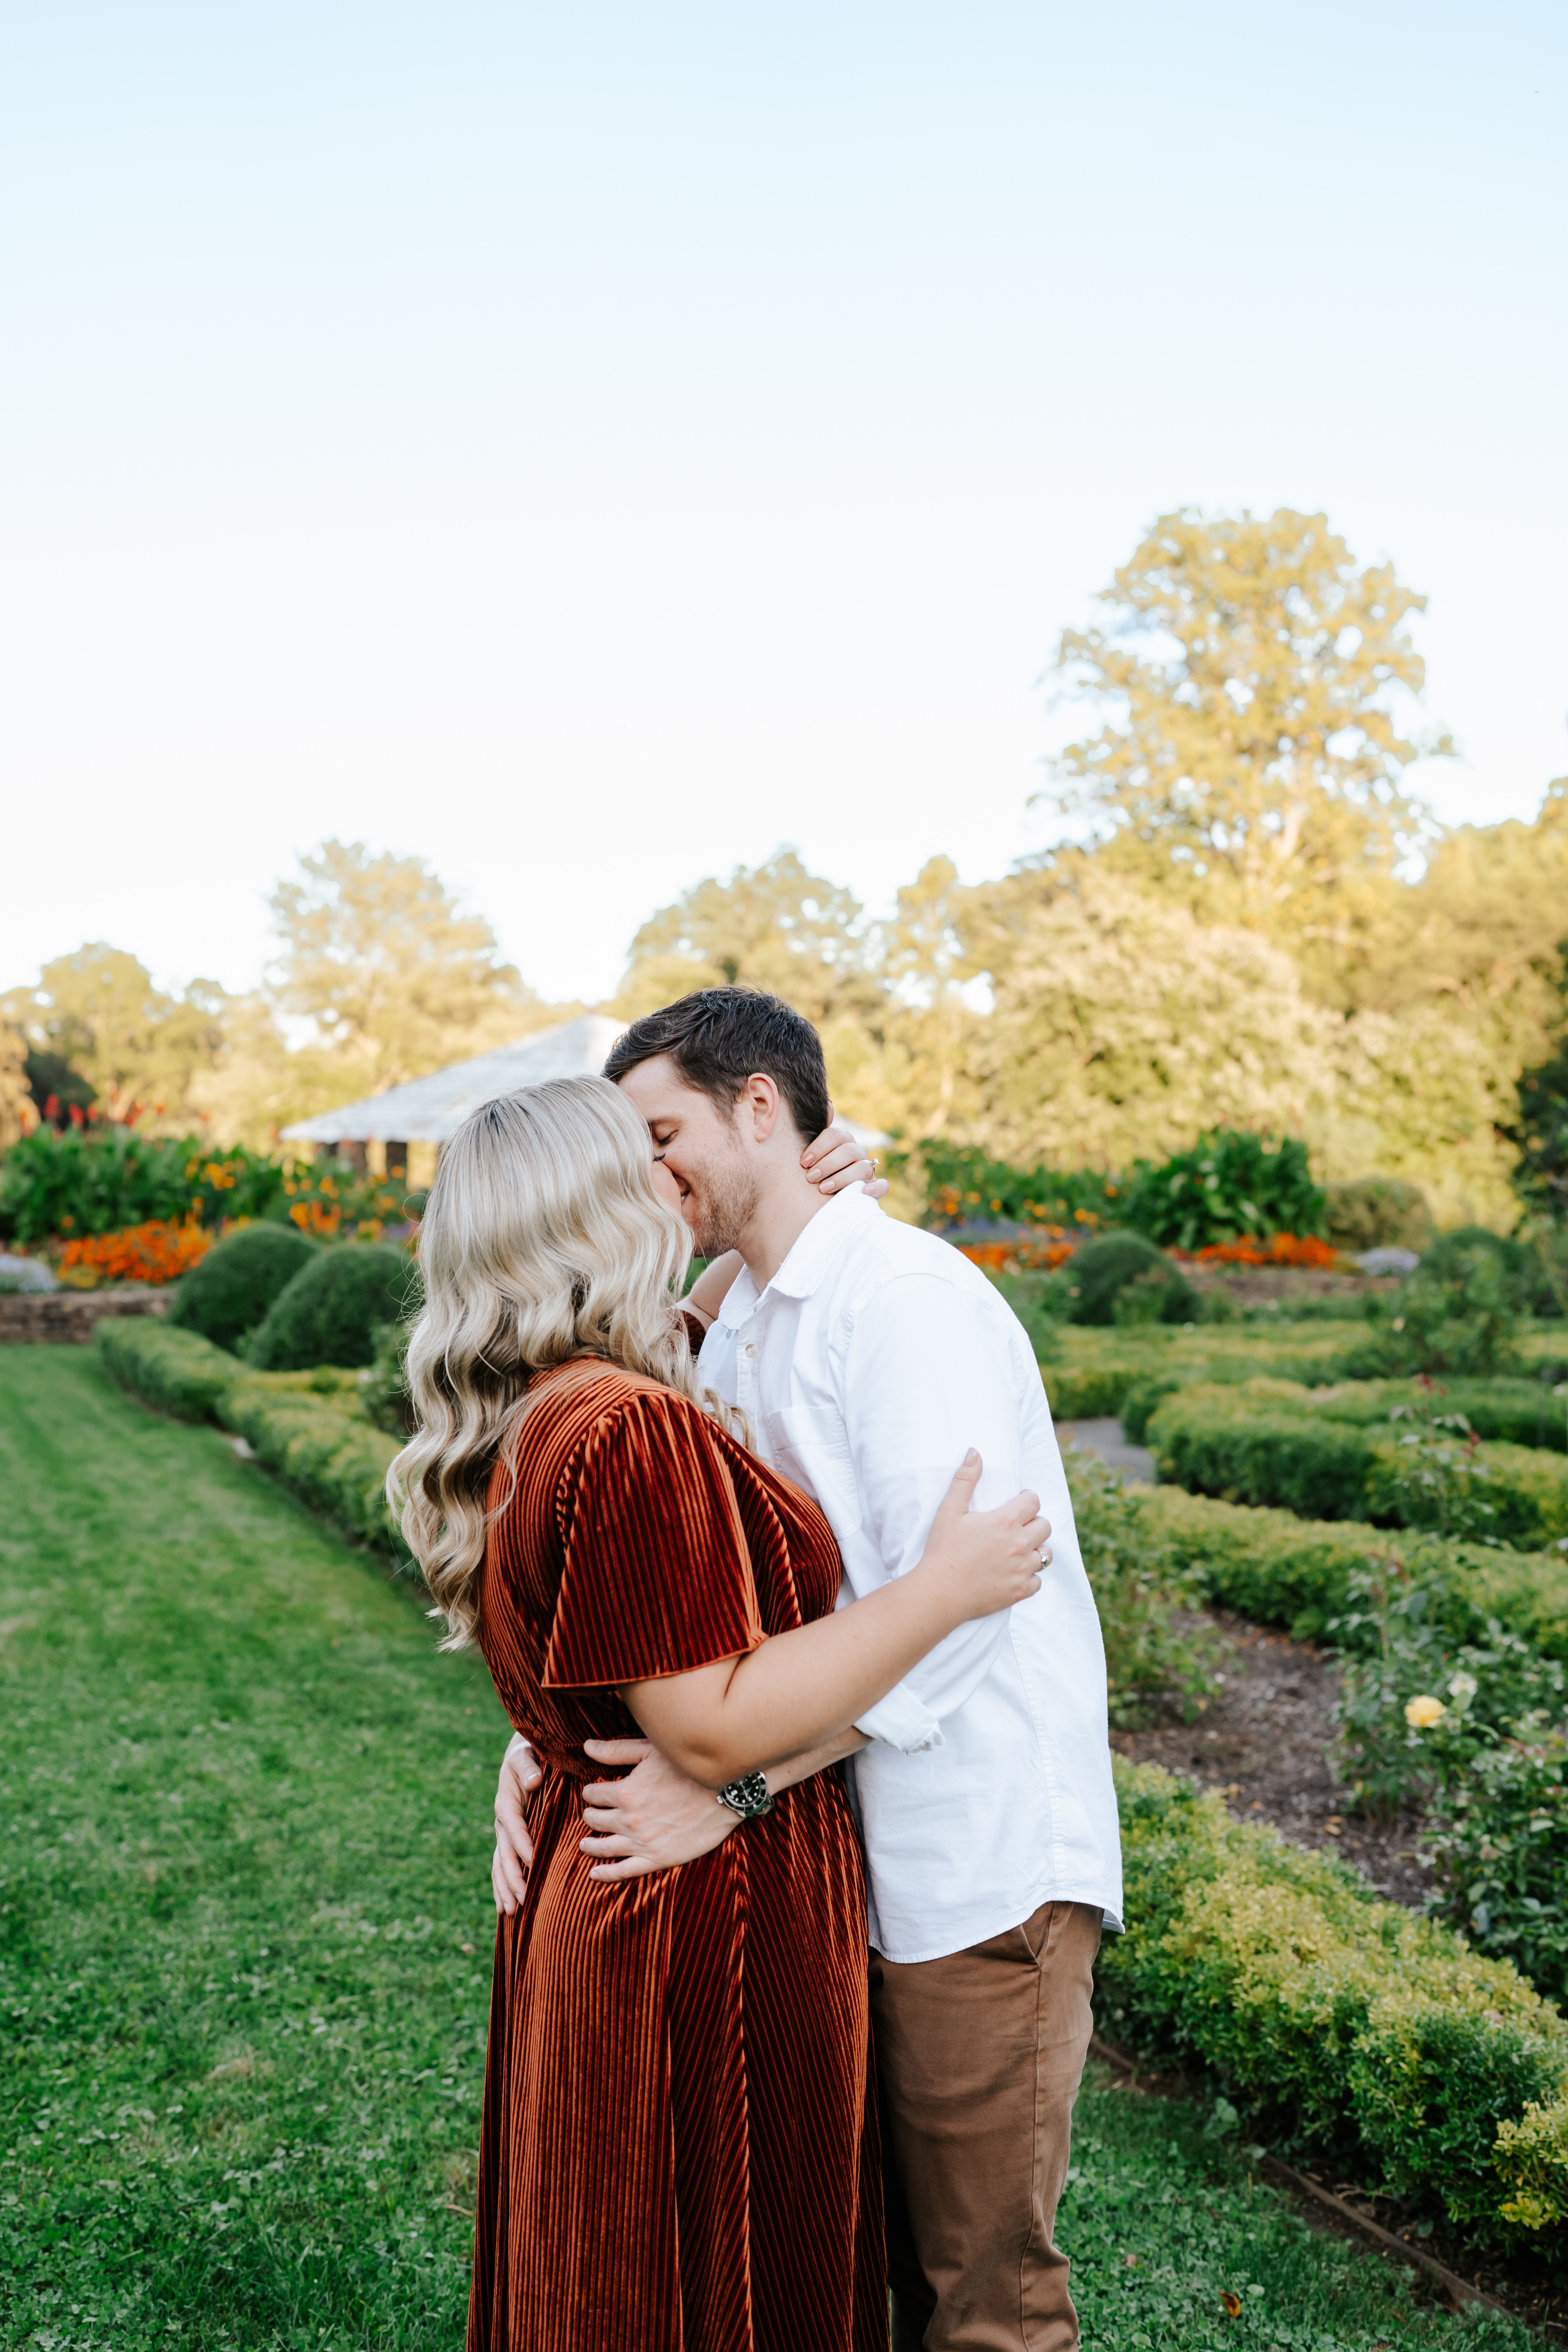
<point x="808" y="1263"/>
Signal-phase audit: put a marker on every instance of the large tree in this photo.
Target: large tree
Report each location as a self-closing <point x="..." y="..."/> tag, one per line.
<point x="136" y="1049"/>
<point x="1480" y="928"/>
<point x="1251" y="682"/>
<point x="1123" y="1026"/>
<point x="926" y="960"/>
<point x="775" y="926"/>
<point x="19" y="1112"/>
<point x="391" y="976"/>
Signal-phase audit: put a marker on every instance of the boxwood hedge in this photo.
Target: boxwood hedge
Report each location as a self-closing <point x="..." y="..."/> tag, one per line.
<point x="1092" y="1373"/>
<point x="332" y="1310"/>
<point x="1512" y="1412"/>
<point x="1264" y="1443"/>
<point x="1281" y="1570"/>
<point x="226" y="1297"/>
<point x="1352" y="2030"/>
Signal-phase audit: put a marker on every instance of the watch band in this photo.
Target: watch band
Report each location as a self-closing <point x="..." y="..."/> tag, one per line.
<point x="748" y="1796"/>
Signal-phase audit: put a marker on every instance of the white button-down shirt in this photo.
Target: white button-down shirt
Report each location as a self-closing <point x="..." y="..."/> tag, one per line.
<point x="876" y="1357"/>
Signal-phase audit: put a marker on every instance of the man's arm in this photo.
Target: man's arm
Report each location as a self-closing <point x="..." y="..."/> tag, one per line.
<point x="925" y="1375"/>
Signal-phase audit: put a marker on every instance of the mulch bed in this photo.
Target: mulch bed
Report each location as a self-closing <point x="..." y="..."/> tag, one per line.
<point x="1266" y="1743"/>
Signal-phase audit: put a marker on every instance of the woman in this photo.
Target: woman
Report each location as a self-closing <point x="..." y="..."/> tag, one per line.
<point x="678" y="2145"/>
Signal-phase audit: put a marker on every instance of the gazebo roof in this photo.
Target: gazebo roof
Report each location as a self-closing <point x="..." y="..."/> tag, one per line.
<point x="428" y="1110"/>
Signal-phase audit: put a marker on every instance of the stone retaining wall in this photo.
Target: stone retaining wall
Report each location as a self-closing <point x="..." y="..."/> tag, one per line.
<point x="71" y="1315"/>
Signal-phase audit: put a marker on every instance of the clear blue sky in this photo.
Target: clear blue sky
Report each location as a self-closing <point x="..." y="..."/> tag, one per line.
<point x="590" y="446"/>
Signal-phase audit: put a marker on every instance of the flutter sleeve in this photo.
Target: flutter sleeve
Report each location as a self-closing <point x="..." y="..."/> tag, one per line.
<point x="658" y="1576"/>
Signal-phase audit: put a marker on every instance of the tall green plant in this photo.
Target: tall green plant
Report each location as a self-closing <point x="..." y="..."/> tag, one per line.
<point x="99" y="1180"/>
<point x="1230" y="1183"/>
<point x="967" y="1187"/>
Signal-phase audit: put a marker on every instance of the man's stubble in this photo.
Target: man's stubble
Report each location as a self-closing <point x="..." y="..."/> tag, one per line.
<point x="723" y="1202"/>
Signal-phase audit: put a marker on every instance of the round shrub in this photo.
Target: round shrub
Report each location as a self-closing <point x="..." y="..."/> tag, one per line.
<point x="1109" y="1265"/>
<point x="334" y="1307"/>
<point x="1526" y="1281"/>
<point x="229" y="1293"/>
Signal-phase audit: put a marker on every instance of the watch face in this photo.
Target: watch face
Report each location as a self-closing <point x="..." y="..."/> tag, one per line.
<point x="747" y="1795"/>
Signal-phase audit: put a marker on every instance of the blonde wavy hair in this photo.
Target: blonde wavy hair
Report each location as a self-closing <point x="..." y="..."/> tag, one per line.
<point x="543" y="1239"/>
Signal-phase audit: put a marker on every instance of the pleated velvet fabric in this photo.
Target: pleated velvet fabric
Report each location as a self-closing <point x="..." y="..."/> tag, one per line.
<point x="680" y="2147"/>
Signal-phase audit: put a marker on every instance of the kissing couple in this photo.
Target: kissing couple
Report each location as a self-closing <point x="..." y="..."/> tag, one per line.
<point x="800" y="1553"/>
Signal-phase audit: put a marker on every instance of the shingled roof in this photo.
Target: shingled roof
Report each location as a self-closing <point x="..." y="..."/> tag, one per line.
<point x="428" y="1110"/>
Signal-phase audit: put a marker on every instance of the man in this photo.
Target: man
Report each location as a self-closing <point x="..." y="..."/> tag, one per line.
<point x="868" y="1357"/>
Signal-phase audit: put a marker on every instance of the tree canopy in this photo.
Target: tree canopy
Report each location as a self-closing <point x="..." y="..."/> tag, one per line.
<point x="1265" y="929"/>
<point x="1249" y="679"/>
<point x="775" y="926"/>
<point x="394" y="978"/>
<point x="136" y="1049"/>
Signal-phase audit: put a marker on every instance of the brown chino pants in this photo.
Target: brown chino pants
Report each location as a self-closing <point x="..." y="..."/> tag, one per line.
<point x="980" y="2055"/>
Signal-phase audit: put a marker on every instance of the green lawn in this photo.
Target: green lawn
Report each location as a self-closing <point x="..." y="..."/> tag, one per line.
<point x="245" y="1933"/>
<point x="245" y="1910"/>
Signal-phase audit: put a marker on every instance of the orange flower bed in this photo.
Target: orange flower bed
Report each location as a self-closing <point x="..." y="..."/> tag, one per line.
<point x="155" y="1252"/>
<point x="1016" y="1258"/>
<point x="1280" y="1249"/>
<point x="316" y="1218"/>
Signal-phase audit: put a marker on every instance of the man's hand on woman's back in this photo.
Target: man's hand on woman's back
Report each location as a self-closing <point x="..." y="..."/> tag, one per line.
<point x="651" y="1819"/>
<point x="514" y="1858"/>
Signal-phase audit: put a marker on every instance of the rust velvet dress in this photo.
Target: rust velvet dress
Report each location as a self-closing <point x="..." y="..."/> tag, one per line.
<point x="680" y="2143"/>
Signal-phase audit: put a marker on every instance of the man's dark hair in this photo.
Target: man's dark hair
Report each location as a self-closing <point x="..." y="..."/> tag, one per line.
<point x="718" y="1037"/>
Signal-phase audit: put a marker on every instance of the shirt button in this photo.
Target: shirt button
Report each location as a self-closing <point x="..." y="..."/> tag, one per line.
<point x="750" y="1347"/>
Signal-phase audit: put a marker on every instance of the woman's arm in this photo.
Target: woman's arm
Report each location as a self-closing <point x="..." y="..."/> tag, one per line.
<point x="654" y="1818"/>
<point x="804" y="1689"/>
<point x="710" y="1290"/>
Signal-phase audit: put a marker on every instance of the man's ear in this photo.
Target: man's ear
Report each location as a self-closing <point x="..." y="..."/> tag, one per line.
<point x="764" y="1104"/>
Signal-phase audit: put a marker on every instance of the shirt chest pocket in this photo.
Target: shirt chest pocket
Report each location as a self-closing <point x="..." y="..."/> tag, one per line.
<point x="811" y="1445"/>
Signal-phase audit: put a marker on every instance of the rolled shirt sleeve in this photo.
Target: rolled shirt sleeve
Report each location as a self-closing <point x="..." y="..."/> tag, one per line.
<point x="924" y="1380"/>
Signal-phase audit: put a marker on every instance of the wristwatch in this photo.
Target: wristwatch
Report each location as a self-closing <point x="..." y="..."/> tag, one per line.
<point x="748" y="1796"/>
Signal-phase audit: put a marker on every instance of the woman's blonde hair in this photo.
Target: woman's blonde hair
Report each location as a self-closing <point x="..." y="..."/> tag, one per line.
<point x="543" y="1238"/>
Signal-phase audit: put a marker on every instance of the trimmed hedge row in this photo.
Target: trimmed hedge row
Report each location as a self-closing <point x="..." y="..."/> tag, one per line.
<point x="1349" y="2027"/>
<point x="1266" y="1444"/>
<point x="308" y="1426"/>
<point x="1096" y="1377"/>
<point x="1511" y="1413"/>
<point x="1282" y="1571"/>
<point x="178" y="1372"/>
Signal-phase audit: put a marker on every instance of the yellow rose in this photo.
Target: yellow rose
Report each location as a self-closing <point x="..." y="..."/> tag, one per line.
<point x="1421" y="1714"/>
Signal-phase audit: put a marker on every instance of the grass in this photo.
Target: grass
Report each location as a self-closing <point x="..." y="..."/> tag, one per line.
<point x="1162" y="2223"/>
<point x="244" y="1914"/>
<point x="245" y="1933"/>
